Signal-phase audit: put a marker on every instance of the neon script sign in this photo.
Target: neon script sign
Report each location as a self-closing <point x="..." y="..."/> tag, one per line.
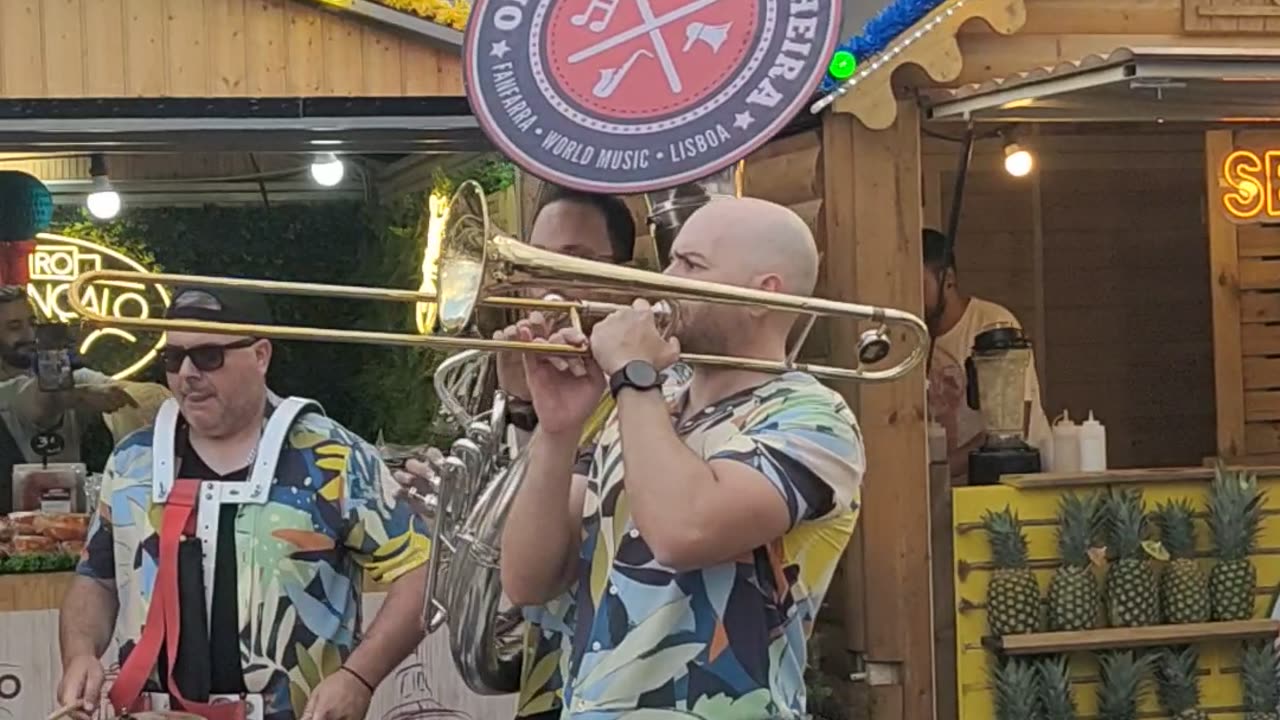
<point x="58" y="260"/>
<point x="1251" y="186"/>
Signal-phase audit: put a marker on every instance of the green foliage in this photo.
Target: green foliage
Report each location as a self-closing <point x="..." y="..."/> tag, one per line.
<point x="492" y="172"/>
<point x="822" y="677"/>
<point x="368" y="388"/>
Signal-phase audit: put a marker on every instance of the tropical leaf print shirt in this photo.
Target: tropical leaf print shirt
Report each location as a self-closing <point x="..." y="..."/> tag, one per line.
<point x="725" y="642"/>
<point x="331" y="516"/>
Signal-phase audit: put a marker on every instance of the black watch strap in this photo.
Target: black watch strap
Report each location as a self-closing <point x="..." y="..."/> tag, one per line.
<point x="521" y="415"/>
<point x="637" y="374"/>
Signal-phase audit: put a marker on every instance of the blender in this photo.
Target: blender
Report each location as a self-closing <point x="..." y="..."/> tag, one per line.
<point x="996" y="387"/>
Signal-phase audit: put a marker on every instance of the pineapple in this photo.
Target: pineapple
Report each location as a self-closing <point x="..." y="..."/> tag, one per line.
<point x="1123" y="686"/>
<point x="1184" y="589"/>
<point x="1013" y="595"/>
<point x="1074" y="600"/>
<point x="1016" y="684"/>
<point x="1055" y="688"/>
<point x="1177" y="685"/>
<point x="1235" y="509"/>
<point x="1131" y="582"/>
<point x="1261" y="691"/>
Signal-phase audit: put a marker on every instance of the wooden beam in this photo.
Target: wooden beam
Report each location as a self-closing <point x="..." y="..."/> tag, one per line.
<point x="873" y="251"/>
<point x="1224" y="289"/>
<point x="1132" y="637"/>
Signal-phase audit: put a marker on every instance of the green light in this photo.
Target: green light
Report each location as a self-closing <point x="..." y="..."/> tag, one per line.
<point x="843" y="65"/>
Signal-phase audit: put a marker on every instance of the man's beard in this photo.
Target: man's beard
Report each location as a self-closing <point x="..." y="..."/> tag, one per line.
<point x="698" y="333"/>
<point x="21" y="356"/>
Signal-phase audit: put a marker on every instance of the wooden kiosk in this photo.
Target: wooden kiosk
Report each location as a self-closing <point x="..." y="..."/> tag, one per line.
<point x="1149" y="300"/>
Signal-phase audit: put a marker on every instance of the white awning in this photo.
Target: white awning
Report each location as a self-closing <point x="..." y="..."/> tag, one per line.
<point x="1194" y="84"/>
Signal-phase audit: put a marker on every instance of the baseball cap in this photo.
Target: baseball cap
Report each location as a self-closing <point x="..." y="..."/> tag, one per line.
<point x="219" y="305"/>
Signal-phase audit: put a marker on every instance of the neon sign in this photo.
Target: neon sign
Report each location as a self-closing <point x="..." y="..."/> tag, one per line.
<point x="1251" y="186"/>
<point x="58" y="260"/>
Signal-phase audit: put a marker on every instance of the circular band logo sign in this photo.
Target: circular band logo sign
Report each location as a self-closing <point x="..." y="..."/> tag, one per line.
<point x="629" y="96"/>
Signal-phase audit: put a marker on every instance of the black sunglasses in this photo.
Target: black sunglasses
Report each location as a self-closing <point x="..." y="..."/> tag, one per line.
<point x="206" y="358"/>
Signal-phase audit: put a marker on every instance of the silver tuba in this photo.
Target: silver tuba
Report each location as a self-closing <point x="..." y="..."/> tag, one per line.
<point x="467" y="506"/>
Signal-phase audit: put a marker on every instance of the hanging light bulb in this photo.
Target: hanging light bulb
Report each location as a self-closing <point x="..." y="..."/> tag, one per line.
<point x="327" y="170"/>
<point x="1017" y="160"/>
<point x="103" y="200"/>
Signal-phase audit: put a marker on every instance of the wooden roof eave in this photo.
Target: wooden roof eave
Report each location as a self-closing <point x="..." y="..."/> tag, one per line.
<point x="930" y="44"/>
<point x="379" y="13"/>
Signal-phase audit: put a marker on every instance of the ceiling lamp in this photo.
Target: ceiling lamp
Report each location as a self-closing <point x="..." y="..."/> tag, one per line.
<point x="327" y="170"/>
<point x="103" y="201"/>
<point x="1018" y="162"/>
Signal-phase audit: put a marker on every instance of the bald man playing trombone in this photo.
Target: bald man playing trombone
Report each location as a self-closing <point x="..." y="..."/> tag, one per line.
<point x="703" y="528"/>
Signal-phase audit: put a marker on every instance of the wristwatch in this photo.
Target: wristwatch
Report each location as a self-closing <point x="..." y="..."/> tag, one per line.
<point x="520" y="414"/>
<point x="636" y="374"/>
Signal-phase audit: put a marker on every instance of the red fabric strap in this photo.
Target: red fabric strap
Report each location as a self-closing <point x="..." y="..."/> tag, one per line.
<point x="163" y="624"/>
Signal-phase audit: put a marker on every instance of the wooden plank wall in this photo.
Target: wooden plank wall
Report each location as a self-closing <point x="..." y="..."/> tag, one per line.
<point x="1124" y="327"/>
<point x="1246" y="303"/>
<point x="210" y="48"/>
<point x="1219" y="660"/>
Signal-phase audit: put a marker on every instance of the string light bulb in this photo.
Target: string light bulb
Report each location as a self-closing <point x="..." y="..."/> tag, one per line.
<point x="1018" y="161"/>
<point x="327" y="170"/>
<point x="103" y="201"/>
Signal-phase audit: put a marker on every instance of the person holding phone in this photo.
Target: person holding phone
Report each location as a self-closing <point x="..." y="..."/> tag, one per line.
<point x="27" y="410"/>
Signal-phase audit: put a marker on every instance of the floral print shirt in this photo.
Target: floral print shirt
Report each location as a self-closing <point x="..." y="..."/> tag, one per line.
<point x="725" y="642"/>
<point x="331" y="516"/>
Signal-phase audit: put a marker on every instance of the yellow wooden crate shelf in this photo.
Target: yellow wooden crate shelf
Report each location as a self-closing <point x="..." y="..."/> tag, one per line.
<point x="1135" y="637"/>
<point x="1037" y="506"/>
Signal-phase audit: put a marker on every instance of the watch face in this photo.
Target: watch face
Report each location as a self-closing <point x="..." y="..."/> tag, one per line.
<point x="641" y="374"/>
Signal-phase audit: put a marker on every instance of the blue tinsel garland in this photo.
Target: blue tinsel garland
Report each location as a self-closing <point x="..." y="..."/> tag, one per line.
<point x="881" y="30"/>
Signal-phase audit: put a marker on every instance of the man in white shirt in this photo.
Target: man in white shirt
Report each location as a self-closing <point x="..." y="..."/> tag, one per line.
<point x="27" y="411"/>
<point x="954" y="320"/>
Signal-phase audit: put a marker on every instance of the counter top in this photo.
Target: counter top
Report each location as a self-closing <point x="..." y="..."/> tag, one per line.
<point x="1136" y="475"/>
<point x="33" y="591"/>
<point x="44" y="591"/>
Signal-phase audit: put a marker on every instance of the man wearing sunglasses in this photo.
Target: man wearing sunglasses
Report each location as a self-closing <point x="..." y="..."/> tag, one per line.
<point x="229" y="549"/>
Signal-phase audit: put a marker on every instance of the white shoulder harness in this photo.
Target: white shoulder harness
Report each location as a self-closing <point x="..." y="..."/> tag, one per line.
<point x="216" y="493"/>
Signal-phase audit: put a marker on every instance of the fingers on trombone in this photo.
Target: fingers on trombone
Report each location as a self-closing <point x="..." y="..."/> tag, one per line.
<point x="575" y="338"/>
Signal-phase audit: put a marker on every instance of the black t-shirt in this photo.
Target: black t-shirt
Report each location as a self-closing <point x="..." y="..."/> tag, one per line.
<point x="208" y="662"/>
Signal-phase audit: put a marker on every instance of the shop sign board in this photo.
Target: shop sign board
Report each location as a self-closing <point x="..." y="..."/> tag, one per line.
<point x="1249" y="186"/>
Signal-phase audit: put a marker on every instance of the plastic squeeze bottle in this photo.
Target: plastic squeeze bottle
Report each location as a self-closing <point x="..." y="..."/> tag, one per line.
<point x="1093" y="445"/>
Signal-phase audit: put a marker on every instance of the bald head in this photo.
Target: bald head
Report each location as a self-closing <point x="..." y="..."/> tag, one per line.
<point x="749" y="243"/>
<point x="749" y="239"/>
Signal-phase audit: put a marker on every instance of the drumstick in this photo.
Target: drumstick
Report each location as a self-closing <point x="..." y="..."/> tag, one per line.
<point x="64" y="711"/>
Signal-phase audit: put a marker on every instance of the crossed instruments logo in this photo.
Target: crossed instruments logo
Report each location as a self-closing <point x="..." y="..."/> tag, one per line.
<point x="57" y="261"/>
<point x="631" y="96"/>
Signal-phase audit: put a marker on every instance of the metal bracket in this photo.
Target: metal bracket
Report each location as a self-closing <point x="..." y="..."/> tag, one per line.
<point x="878" y="674"/>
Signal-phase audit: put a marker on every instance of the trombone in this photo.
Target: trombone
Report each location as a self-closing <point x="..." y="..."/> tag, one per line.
<point x="478" y="268"/>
